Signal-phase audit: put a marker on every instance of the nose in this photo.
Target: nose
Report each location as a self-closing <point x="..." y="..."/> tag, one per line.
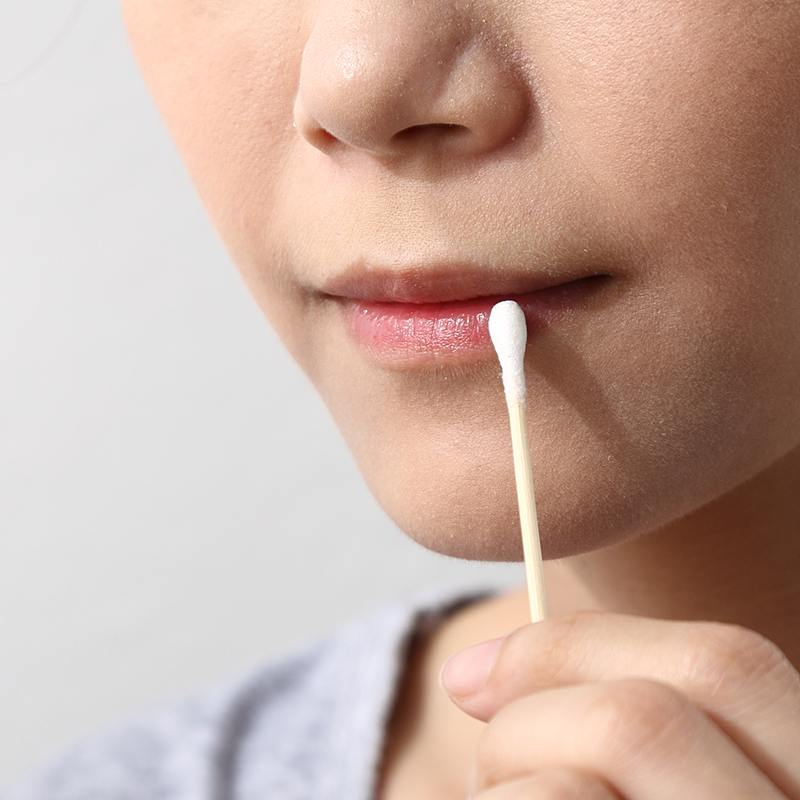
<point x="397" y="77"/>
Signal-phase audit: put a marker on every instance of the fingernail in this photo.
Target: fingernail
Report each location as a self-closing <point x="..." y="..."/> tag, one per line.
<point x="467" y="672"/>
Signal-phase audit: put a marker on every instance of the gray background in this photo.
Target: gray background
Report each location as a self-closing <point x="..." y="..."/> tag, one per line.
<point x="174" y="503"/>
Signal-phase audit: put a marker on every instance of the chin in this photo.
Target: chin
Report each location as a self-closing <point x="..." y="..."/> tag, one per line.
<point x="496" y="536"/>
<point x="475" y="517"/>
<point x="471" y="513"/>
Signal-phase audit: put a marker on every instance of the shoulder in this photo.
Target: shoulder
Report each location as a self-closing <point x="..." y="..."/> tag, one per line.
<point x="307" y="725"/>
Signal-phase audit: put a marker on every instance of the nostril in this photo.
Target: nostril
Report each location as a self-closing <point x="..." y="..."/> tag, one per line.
<point x="437" y="130"/>
<point x="322" y="139"/>
<point x="310" y="129"/>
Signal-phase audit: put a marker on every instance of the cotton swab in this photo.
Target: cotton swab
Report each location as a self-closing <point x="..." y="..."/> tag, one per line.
<point x="509" y="333"/>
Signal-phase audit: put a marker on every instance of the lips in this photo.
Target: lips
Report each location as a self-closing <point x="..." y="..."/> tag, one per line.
<point x="441" y="318"/>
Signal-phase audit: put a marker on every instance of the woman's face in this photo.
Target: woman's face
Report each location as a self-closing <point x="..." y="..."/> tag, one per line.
<point x="381" y="172"/>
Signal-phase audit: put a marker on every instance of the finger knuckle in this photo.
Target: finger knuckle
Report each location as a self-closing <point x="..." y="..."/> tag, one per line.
<point x="552" y="652"/>
<point x="631" y="720"/>
<point x="728" y="660"/>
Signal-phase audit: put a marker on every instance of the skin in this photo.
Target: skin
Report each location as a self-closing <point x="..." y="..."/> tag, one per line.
<point x="649" y="141"/>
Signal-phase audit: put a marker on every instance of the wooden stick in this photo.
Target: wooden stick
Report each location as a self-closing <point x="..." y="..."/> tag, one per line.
<point x="529" y="523"/>
<point x="508" y="330"/>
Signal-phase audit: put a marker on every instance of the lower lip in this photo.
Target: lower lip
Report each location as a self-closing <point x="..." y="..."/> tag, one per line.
<point x="407" y="335"/>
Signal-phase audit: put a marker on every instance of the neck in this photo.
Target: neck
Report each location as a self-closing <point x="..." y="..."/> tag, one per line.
<point x="736" y="560"/>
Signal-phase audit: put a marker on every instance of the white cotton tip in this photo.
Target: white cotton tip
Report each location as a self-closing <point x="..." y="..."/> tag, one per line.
<point x="509" y="333"/>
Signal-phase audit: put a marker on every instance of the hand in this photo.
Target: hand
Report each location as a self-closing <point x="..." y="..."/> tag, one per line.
<point x="600" y="706"/>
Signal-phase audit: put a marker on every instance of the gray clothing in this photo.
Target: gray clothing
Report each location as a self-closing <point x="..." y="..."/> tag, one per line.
<point x="307" y="727"/>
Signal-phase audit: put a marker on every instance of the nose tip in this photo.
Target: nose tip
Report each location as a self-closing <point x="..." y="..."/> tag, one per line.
<point x="396" y="84"/>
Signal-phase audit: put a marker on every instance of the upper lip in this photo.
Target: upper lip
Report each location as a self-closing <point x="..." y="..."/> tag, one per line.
<point x="444" y="283"/>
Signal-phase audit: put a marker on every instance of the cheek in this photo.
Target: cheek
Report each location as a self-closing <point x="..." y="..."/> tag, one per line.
<point x="693" y="139"/>
<point x="224" y="77"/>
<point x="687" y="117"/>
